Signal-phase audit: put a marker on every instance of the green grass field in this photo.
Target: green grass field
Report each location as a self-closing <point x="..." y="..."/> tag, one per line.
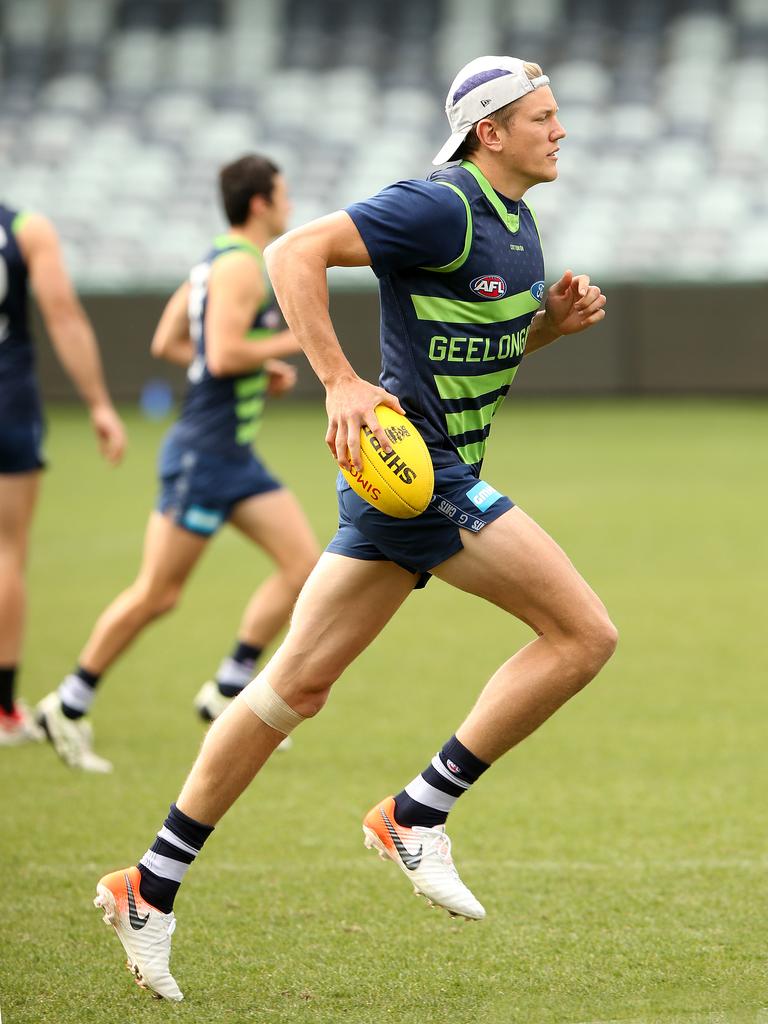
<point x="620" y="852"/>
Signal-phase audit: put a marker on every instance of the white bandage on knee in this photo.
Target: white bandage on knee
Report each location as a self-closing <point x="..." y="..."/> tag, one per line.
<point x="270" y="706"/>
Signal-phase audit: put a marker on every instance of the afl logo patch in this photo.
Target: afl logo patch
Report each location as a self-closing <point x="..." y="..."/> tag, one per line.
<point x="489" y="286"/>
<point x="537" y="290"/>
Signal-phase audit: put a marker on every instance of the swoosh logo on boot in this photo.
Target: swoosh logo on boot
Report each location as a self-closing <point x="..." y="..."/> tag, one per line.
<point x="137" y="922"/>
<point x="411" y="860"/>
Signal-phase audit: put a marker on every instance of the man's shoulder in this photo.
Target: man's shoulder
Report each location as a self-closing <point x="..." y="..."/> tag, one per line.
<point x="235" y="264"/>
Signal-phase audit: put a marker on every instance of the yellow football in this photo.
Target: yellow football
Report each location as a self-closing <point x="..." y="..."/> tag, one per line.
<point x="398" y="483"/>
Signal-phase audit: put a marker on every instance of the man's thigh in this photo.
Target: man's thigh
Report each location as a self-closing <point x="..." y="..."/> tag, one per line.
<point x="342" y="608"/>
<point x="18" y="495"/>
<point x="276" y="522"/>
<point x="516" y="565"/>
<point x="170" y="552"/>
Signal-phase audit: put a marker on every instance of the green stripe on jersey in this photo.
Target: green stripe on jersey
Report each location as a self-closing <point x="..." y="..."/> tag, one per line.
<point x="472" y="453"/>
<point x="511" y="221"/>
<point x="249" y="408"/>
<point x="471" y="419"/>
<point x="237" y="242"/>
<point x="248" y="386"/>
<point x="246" y="432"/>
<point x="461" y="258"/>
<point x="20" y="220"/>
<point x="457" y="311"/>
<point x="472" y="387"/>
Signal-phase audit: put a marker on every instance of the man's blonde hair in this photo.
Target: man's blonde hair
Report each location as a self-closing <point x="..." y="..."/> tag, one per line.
<point x="501" y="117"/>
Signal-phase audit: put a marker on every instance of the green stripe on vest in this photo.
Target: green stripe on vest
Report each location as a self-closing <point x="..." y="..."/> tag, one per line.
<point x="471" y="419"/>
<point x="472" y="453"/>
<point x="20" y="220"/>
<point x="246" y="432"/>
<point x="246" y="387"/>
<point x="249" y="408"/>
<point x="457" y="311"/>
<point x="471" y="387"/>
<point x="462" y="257"/>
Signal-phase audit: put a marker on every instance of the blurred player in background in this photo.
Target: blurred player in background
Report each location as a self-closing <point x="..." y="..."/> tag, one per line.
<point x="30" y="254"/>
<point x="450" y="348"/>
<point x="223" y="325"/>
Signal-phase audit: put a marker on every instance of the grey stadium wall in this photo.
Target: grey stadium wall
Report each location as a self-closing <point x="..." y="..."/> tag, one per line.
<point x="675" y="339"/>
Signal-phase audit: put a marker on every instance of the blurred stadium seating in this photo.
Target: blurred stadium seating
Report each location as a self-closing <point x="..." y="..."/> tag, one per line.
<point x="116" y="114"/>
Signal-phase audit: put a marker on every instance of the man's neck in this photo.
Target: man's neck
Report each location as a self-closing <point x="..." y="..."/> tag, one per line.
<point x="255" y="233"/>
<point x="504" y="181"/>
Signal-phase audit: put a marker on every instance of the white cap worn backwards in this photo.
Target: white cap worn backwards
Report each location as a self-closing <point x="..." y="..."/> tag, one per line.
<point x="481" y="87"/>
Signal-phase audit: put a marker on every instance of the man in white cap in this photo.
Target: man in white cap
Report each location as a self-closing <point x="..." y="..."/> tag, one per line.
<point x="461" y="277"/>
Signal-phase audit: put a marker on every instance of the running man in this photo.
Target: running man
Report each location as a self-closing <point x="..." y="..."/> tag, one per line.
<point x="223" y="324"/>
<point x="461" y="276"/>
<point x="30" y="255"/>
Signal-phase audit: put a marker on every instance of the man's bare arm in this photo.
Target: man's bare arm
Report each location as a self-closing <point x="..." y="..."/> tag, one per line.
<point x="69" y="329"/>
<point x="298" y="263"/>
<point x="235" y="291"/>
<point x="573" y="304"/>
<point x="171" y="340"/>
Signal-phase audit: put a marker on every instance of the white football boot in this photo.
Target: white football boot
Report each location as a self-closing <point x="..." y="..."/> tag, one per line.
<point x="144" y="932"/>
<point x="210" y="703"/>
<point x="424" y="856"/>
<point x="72" y="738"/>
<point x="19" y="727"/>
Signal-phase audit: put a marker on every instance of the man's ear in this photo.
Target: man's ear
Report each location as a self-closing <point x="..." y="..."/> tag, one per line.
<point x="488" y="133"/>
<point x="257" y="206"/>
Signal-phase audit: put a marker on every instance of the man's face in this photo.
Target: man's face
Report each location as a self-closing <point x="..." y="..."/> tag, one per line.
<point x="278" y="208"/>
<point x="532" y="135"/>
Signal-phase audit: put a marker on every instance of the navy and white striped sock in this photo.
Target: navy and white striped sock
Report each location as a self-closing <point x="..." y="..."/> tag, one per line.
<point x="165" y="863"/>
<point x="430" y="796"/>
<point x="77" y="692"/>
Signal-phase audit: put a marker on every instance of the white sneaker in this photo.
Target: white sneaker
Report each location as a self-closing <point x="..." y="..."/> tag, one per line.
<point x="424" y="855"/>
<point x="144" y="932"/>
<point x="72" y="738"/>
<point x="210" y="703"/>
<point x="18" y="727"/>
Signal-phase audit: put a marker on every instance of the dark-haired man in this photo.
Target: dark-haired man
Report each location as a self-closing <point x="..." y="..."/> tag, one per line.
<point x="30" y="255"/>
<point x="223" y="324"/>
<point x="434" y="245"/>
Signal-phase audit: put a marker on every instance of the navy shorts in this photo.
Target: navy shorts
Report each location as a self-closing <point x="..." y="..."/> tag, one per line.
<point x="460" y="502"/>
<point x="21" y="447"/>
<point x="198" y="490"/>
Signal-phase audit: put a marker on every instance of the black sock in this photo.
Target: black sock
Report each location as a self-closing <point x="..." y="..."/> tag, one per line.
<point x="7" y="688"/>
<point x="428" y="798"/>
<point x="237" y="670"/>
<point x="77" y="691"/>
<point x="166" y="861"/>
<point x="246" y="652"/>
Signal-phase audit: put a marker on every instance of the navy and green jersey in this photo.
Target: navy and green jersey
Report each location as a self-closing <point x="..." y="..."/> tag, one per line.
<point x="19" y="396"/>
<point x="461" y="275"/>
<point x="223" y="414"/>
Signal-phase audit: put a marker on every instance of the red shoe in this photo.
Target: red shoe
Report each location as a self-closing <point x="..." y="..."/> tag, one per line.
<point x="18" y="727"/>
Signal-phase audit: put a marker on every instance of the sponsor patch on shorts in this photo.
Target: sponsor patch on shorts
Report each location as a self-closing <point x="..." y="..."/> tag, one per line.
<point x="482" y="495"/>
<point x="202" y="520"/>
<point x="450" y="511"/>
